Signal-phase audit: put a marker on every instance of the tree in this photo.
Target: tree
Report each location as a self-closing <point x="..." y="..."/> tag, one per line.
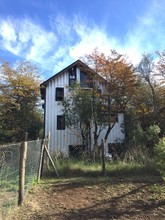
<point x="149" y="102"/>
<point x="118" y="85"/>
<point x="161" y="65"/>
<point x="111" y="83"/>
<point x="76" y="116"/>
<point x="19" y="92"/>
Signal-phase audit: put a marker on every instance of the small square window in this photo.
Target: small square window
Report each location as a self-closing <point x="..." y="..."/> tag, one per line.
<point x="60" y="122"/>
<point x="114" y="117"/>
<point x="59" y="94"/>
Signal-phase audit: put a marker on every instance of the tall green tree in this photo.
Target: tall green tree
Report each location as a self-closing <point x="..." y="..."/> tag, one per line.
<point x="19" y="93"/>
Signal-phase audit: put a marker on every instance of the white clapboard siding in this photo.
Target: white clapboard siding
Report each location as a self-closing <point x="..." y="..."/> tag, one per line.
<point x="61" y="139"/>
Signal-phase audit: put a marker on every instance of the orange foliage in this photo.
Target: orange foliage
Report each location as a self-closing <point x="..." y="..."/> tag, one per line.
<point x="120" y="80"/>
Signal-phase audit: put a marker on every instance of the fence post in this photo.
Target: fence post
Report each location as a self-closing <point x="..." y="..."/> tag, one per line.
<point x="103" y="157"/>
<point x="22" y="166"/>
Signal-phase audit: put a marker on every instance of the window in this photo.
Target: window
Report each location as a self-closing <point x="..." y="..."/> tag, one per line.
<point x="60" y="122"/>
<point x="114" y="117"/>
<point x="108" y="118"/>
<point x="72" y="75"/>
<point x="59" y="94"/>
<point x="84" y="80"/>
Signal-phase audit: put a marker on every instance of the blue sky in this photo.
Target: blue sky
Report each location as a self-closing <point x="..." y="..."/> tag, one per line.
<point x="54" y="33"/>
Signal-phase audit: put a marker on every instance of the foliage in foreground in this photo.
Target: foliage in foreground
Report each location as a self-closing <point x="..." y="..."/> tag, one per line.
<point x="160" y="154"/>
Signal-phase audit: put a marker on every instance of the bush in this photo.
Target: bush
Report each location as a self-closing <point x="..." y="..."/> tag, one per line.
<point x="160" y="154"/>
<point x="138" y="155"/>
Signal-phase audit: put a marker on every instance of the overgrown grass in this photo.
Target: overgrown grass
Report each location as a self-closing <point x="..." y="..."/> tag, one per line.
<point x="70" y="168"/>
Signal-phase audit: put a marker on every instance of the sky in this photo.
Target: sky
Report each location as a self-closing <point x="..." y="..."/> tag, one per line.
<point x="54" y="33"/>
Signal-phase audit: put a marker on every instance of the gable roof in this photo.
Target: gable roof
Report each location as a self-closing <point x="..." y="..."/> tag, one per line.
<point x="77" y="63"/>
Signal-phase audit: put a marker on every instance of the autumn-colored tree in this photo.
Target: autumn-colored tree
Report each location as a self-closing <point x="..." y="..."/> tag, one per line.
<point x="19" y="92"/>
<point x="110" y="86"/>
<point x="119" y="82"/>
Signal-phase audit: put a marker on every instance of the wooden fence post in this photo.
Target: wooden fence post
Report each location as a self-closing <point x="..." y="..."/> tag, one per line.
<point x="103" y="157"/>
<point x="22" y="166"/>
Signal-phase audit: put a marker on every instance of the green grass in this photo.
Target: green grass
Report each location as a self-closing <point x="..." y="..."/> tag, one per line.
<point x="70" y="168"/>
<point x="9" y="191"/>
<point x="9" y="185"/>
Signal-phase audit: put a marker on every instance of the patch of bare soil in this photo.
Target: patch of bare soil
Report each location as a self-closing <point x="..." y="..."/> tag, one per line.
<point x="77" y="199"/>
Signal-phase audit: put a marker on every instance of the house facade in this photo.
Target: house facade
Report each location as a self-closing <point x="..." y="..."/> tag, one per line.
<point x="53" y="92"/>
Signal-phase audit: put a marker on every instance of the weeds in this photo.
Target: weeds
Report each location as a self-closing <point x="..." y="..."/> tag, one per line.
<point x="70" y="168"/>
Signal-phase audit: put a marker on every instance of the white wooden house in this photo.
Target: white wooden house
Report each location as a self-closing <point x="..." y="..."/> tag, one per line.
<point x="53" y="91"/>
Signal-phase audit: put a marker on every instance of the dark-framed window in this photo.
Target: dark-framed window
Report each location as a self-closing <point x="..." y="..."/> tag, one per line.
<point x="108" y="118"/>
<point x="60" y="122"/>
<point x="84" y="80"/>
<point x="59" y="94"/>
<point x="114" y="117"/>
<point x="72" y="75"/>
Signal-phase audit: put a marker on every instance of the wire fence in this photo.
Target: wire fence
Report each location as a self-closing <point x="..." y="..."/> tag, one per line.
<point x="10" y="172"/>
<point x="32" y="163"/>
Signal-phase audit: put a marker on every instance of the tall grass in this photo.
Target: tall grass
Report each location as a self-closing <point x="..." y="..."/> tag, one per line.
<point x="70" y="168"/>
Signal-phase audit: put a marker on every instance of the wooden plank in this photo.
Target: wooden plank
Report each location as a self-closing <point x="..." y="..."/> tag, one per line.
<point x="47" y="144"/>
<point x="50" y="158"/>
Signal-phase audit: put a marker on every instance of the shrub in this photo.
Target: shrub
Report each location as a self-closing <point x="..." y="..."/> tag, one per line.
<point x="160" y="154"/>
<point x="138" y="155"/>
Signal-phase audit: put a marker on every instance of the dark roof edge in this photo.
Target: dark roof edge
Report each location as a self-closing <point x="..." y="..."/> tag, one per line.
<point x="77" y="62"/>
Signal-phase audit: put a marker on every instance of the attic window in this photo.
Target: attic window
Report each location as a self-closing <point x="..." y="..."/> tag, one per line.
<point x="72" y="75"/>
<point x="59" y="94"/>
<point x="84" y="80"/>
<point x="60" y="122"/>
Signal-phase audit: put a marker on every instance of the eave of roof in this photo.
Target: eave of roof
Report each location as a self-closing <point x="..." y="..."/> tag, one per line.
<point x="76" y="63"/>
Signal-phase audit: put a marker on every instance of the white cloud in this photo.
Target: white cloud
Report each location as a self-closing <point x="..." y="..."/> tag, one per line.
<point x="8" y="32"/>
<point x="9" y="37"/>
<point x="90" y="38"/>
<point x="26" y="39"/>
<point x="62" y="25"/>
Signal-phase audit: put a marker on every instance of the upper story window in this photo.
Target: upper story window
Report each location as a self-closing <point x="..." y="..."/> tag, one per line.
<point x="72" y="75"/>
<point x="84" y="80"/>
<point x="59" y="94"/>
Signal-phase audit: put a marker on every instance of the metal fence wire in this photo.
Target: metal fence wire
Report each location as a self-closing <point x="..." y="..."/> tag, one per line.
<point x="9" y="172"/>
<point x="32" y="163"/>
<point x="9" y="176"/>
